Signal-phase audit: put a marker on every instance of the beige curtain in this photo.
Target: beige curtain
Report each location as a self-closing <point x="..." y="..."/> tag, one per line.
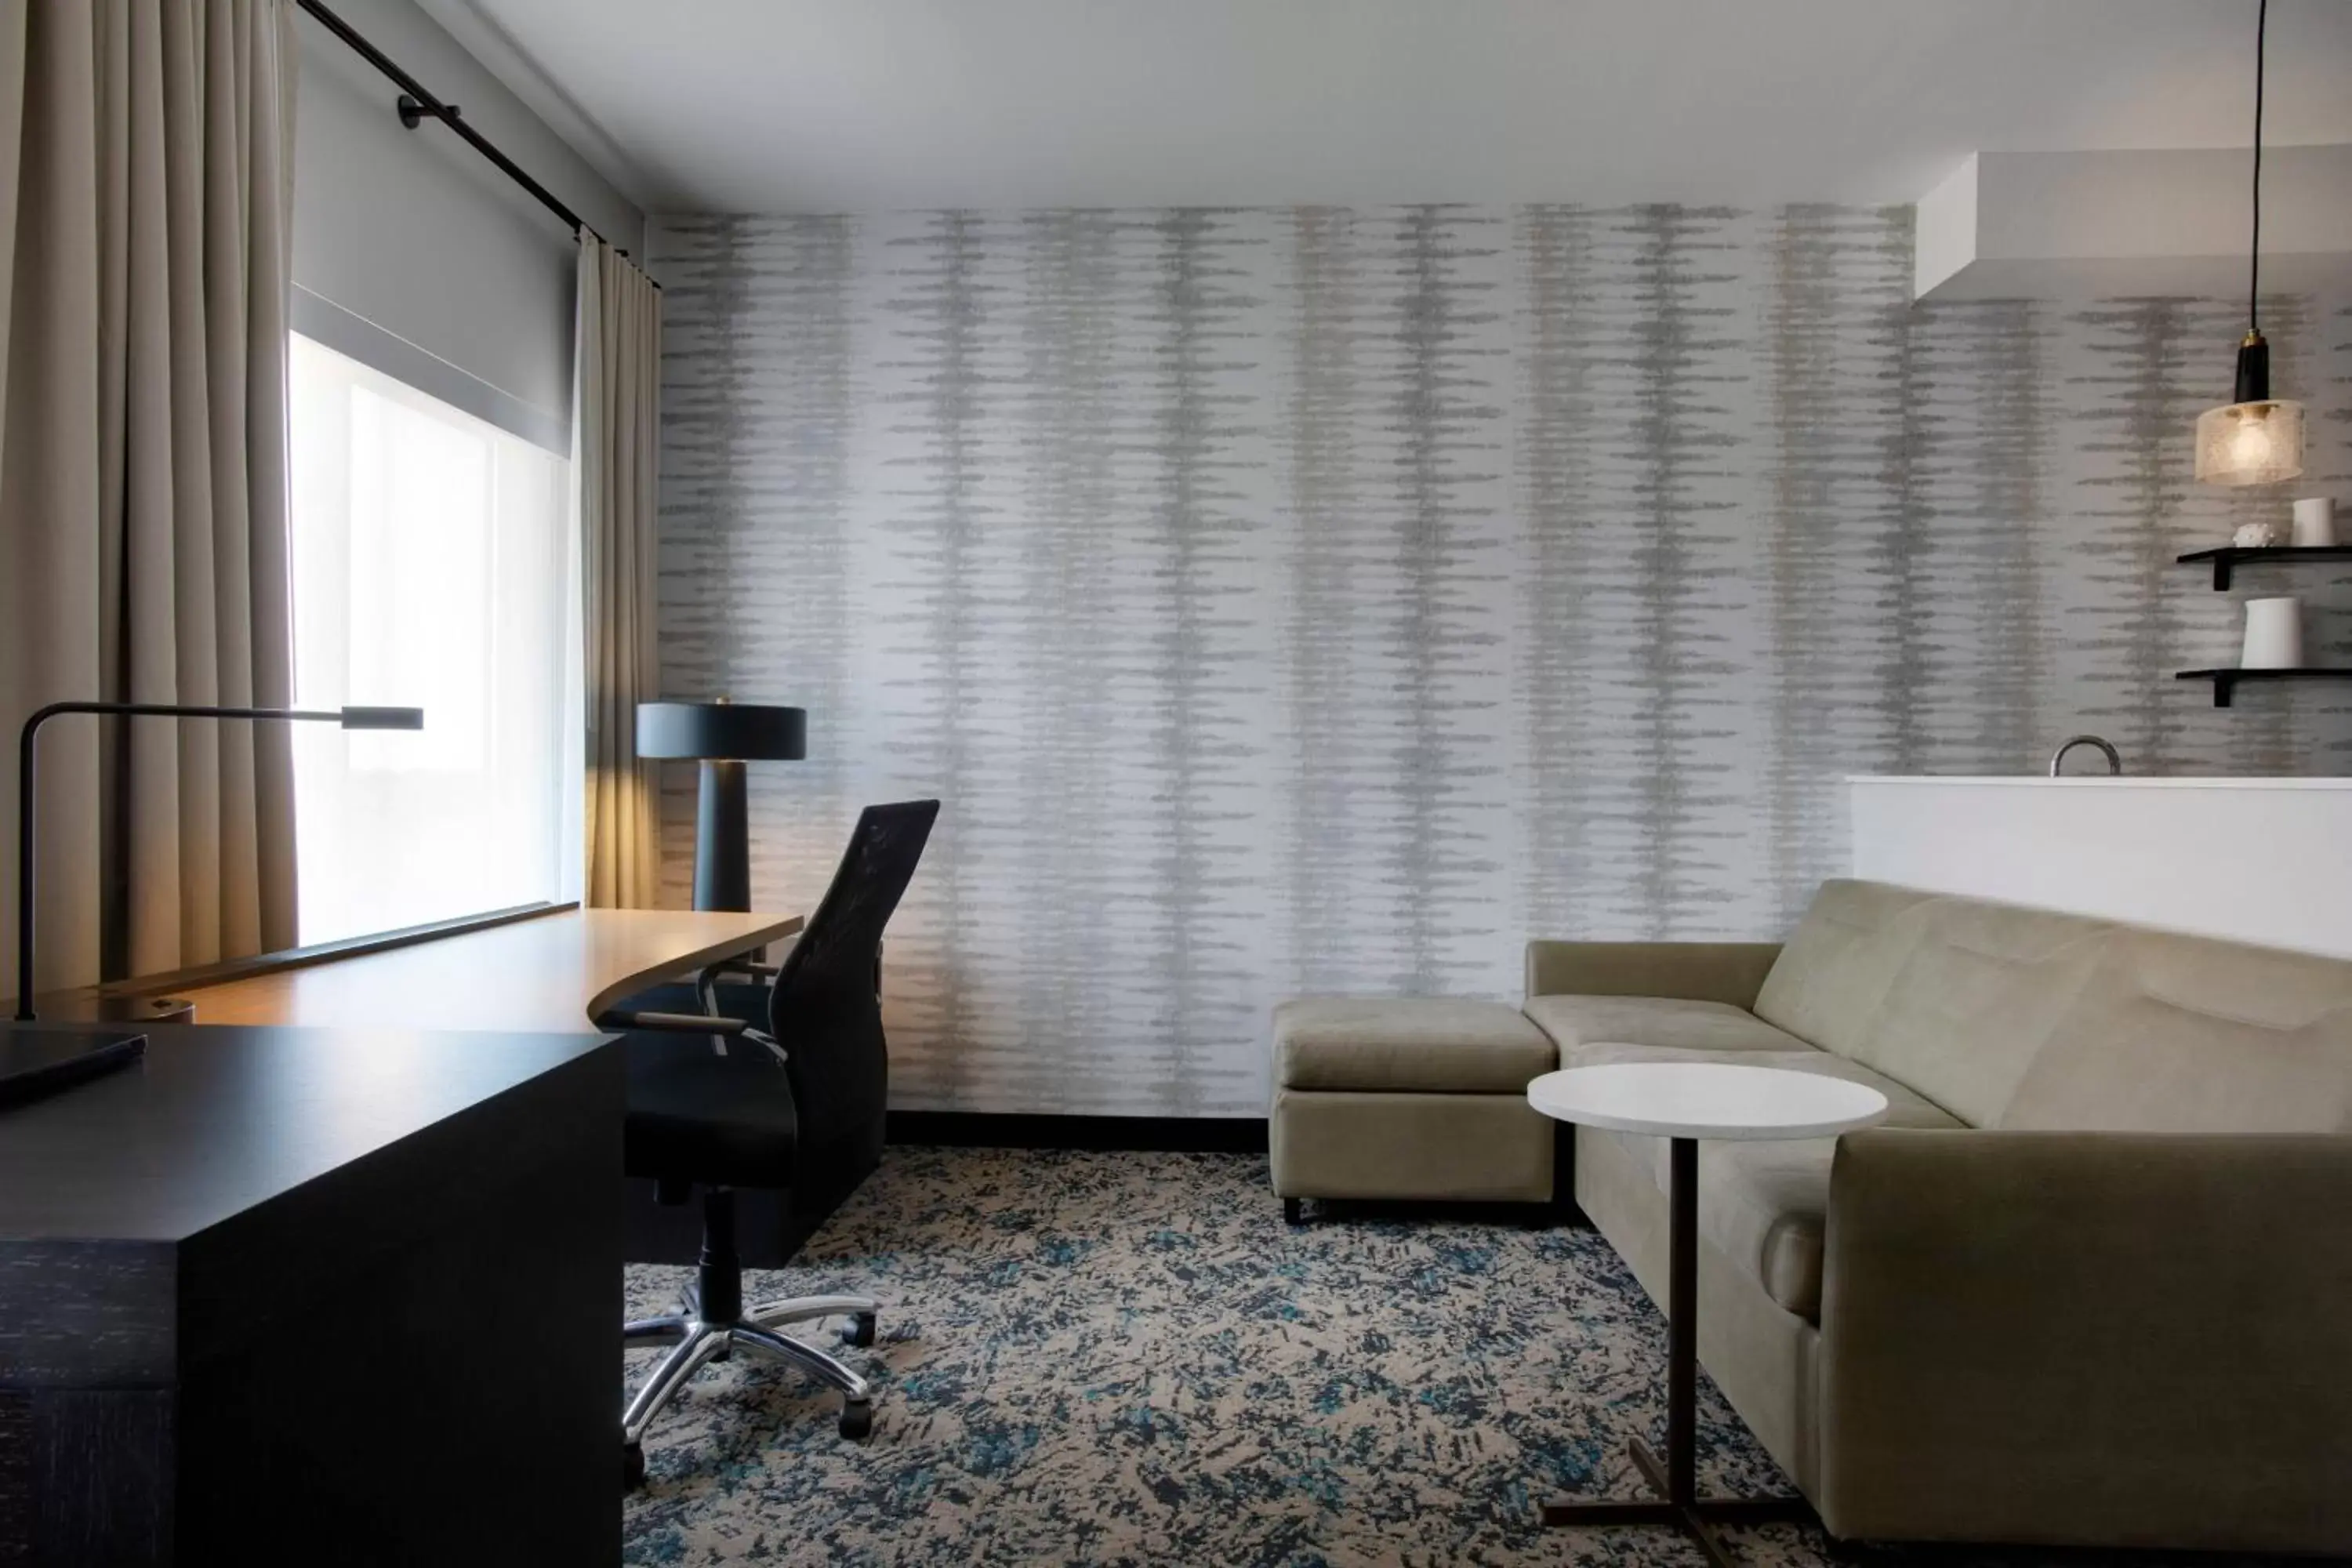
<point x="145" y="183"/>
<point x="617" y="377"/>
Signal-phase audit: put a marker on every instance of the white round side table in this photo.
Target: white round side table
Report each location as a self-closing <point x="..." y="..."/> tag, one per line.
<point x="1688" y="1102"/>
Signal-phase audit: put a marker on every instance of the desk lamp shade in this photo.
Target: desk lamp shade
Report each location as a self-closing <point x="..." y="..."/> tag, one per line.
<point x="722" y="736"/>
<point x="380" y="717"/>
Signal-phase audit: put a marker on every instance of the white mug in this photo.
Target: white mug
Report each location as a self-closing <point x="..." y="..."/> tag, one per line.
<point x="2274" y="635"/>
<point x="2314" y="522"/>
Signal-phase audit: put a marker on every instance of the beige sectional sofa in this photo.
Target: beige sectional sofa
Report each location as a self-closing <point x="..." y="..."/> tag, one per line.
<point x="2090" y="1283"/>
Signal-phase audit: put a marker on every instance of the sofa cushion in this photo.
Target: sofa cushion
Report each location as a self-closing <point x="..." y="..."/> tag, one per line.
<point x="1574" y="1021"/>
<point x="1975" y="998"/>
<point x="1451" y="1148"/>
<point x="1764" y="1204"/>
<point x="1953" y="996"/>
<point x="2183" y="1034"/>
<point x="1837" y="964"/>
<point x="1427" y="1044"/>
<point x="1905" y="1107"/>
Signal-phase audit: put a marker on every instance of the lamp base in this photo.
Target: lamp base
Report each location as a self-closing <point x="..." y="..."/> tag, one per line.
<point x="128" y="1010"/>
<point x="722" y="838"/>
<point x="37" y="1060"/>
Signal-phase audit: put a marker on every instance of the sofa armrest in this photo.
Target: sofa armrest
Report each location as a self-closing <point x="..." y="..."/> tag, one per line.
<point x="2089" y="1336"/>
<point x="1729" y="971"/>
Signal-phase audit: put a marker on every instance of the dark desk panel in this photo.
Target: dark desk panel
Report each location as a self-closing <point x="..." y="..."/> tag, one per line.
<point x="315" y="1295"/>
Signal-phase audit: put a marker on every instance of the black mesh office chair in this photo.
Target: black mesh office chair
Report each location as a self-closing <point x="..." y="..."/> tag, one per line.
<point x="717" y="1104"/>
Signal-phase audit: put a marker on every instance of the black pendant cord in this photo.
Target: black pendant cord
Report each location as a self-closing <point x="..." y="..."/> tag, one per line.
<point x="2254" y="266"/>
<point x="2253" y="376"/>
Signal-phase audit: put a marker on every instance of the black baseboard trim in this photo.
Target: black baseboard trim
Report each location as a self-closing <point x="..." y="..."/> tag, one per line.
<point x="1176" y="1134"/>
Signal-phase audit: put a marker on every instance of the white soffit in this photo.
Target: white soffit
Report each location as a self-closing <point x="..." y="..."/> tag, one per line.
<point x="2076" y="224"/>
<point x="864" y="106"/>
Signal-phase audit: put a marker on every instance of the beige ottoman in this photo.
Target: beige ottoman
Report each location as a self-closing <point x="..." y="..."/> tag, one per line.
<point x="1419" y="1098"/>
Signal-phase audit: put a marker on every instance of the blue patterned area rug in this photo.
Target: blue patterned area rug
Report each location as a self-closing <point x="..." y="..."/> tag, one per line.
<point x="1128" y="1358"/>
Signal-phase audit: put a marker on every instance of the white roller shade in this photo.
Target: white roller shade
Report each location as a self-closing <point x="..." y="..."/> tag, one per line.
<point x="413" y="254"/>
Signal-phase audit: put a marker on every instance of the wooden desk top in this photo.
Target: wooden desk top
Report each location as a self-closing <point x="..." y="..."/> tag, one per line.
<point x="552" y="974"/>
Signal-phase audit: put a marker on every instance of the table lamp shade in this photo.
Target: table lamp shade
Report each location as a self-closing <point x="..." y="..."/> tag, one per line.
<point x="743" y="731"/>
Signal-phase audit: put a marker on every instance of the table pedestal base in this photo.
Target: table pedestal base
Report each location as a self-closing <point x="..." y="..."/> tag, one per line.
<point x="1675" y="1477"/>
<point x="1696" y="1517"/>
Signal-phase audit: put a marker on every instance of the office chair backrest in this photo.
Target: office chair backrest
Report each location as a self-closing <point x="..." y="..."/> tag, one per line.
<point x="825" y="1013"/>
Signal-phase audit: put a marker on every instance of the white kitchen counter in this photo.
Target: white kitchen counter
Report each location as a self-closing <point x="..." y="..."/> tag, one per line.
<point x="2264" y="860"/>
<point x="2091" y="780"/>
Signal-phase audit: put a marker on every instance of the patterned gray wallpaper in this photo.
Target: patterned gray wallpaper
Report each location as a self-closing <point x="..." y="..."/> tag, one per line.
<point x="1328" y="600"/>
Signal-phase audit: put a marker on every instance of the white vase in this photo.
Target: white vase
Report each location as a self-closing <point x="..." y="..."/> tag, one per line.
<point x="2274" y="635"/>
<point x="2314" y="522"/>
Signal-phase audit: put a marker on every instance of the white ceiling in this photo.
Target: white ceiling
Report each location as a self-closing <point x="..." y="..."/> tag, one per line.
<point x="869" y="105"/>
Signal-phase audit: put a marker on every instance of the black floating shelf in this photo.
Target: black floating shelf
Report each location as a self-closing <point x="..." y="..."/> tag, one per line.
<point x="2230" y="556"/>
<point x="2225" y="681"/>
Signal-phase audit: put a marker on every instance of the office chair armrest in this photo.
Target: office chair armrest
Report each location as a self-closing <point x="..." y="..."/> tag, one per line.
<point x="706" y="980"/>
<point x="754" y="969"/>
<point x="675" y="1023"/>
<point x="717" y="1028"/>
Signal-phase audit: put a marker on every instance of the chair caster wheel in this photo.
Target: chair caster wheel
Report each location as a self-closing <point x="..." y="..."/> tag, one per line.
<point x="859" y="1330"/>
<point x="633" y="1466"/>
<point x="857" y="1419"/>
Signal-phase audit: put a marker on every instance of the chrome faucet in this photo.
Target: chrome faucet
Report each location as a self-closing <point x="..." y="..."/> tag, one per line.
<point x="2115" y="758"/>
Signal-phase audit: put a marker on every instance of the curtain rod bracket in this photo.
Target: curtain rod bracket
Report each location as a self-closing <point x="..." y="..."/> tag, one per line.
<point x="413" y="113"/>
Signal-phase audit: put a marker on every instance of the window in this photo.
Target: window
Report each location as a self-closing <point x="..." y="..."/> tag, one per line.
<point x="433" y="569"/>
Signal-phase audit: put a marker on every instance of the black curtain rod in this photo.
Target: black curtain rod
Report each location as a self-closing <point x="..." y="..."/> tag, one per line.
<point x="417" y="105"/>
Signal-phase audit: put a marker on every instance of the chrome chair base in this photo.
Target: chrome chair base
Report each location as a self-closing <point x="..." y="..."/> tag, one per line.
<point x="694" y="1339"/>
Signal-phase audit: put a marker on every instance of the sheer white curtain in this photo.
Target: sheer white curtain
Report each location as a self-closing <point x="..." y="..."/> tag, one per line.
<point x="144" y="191"/>
<point x="616" y="464"/>
<point x="431" y="570"/>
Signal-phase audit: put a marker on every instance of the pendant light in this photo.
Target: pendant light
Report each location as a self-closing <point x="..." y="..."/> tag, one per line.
<point x="2254" y="439"/>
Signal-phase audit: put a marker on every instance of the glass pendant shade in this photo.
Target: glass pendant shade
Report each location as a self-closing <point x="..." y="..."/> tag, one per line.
<point x="2250" y="443"/>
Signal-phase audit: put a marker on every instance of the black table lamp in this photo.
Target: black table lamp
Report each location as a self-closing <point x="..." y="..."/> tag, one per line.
<point x="39" y="1061"/>
<point x="722" y="736"/>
